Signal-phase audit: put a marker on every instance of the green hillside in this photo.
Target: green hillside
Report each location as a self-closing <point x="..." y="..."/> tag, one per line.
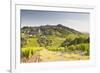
<point x="54" y="39"/>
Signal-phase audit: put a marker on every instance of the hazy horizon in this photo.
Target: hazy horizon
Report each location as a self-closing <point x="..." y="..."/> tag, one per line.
<point x="77" y="21"/>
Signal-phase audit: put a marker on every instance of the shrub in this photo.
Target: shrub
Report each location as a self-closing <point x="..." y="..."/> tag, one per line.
<point x="71" y="48"/>
<point x="24" y="52"/>
<point x="44" y="41"/>
<point x="76" y="40"/>
<point x="29" y="51"/>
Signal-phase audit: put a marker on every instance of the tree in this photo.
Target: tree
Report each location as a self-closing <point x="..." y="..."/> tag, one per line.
<point x="43" y="41"/>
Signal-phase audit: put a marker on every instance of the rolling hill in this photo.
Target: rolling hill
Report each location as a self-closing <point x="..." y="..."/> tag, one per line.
<point x="53" y="43"/>
<point x="57" y="30"/>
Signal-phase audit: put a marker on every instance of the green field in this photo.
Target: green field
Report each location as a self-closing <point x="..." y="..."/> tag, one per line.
<point x="53" y="44"/>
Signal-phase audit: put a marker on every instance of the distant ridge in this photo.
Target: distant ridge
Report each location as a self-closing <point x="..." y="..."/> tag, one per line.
<point x="58" y="30"/>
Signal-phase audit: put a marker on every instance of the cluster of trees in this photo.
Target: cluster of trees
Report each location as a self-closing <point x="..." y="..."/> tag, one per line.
<point x="82" y="49"/>
<point x="78" y="44"/>
<point x="44" y="41"/>
<point x="75" y="41"/>
<point x="57" y="30"/>
<point x="74" y="44"/>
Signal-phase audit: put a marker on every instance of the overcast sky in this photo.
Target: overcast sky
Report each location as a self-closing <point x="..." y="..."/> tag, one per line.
<point x="75" y="20"/>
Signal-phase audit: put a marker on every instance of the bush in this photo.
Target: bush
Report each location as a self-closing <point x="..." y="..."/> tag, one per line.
<point x="25" y="52"/>
<point x="76" y="40"/>
<point x="61" y="49"/>
<point x="44" y="41"/>
<point x="50" y="48"/>
<point x="29" y="51"/>
<point x="71" y="48"/>
<point x="82" y="48"/>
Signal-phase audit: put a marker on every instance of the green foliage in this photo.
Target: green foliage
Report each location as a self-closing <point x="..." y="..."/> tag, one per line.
<point x="60" y="49"/>
<point x="58" y="30"/>
<point x="85" y="47"/>
<point x="44" y="41"/>
<point x="71" y="48"/>
<point x="69" y="39"/>
<point x="56" y="41"/>
<point x="52" y="48"/>
<point x="53" y="38"/>
<point x="82" y="48"/>
<point x="25" y="52"/>
<point x="31" y="42"/>
<point x="73" y="40"/>
<point x="29" y="51"/>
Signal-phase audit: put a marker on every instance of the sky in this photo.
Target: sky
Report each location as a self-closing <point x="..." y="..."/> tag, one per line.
<point x="76" y="20"/>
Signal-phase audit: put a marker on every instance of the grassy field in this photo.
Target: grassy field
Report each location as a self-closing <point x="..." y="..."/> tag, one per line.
<point x="53" y="43"/>
<point x="47" y="56"/>
<point x="32" y="52"/>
